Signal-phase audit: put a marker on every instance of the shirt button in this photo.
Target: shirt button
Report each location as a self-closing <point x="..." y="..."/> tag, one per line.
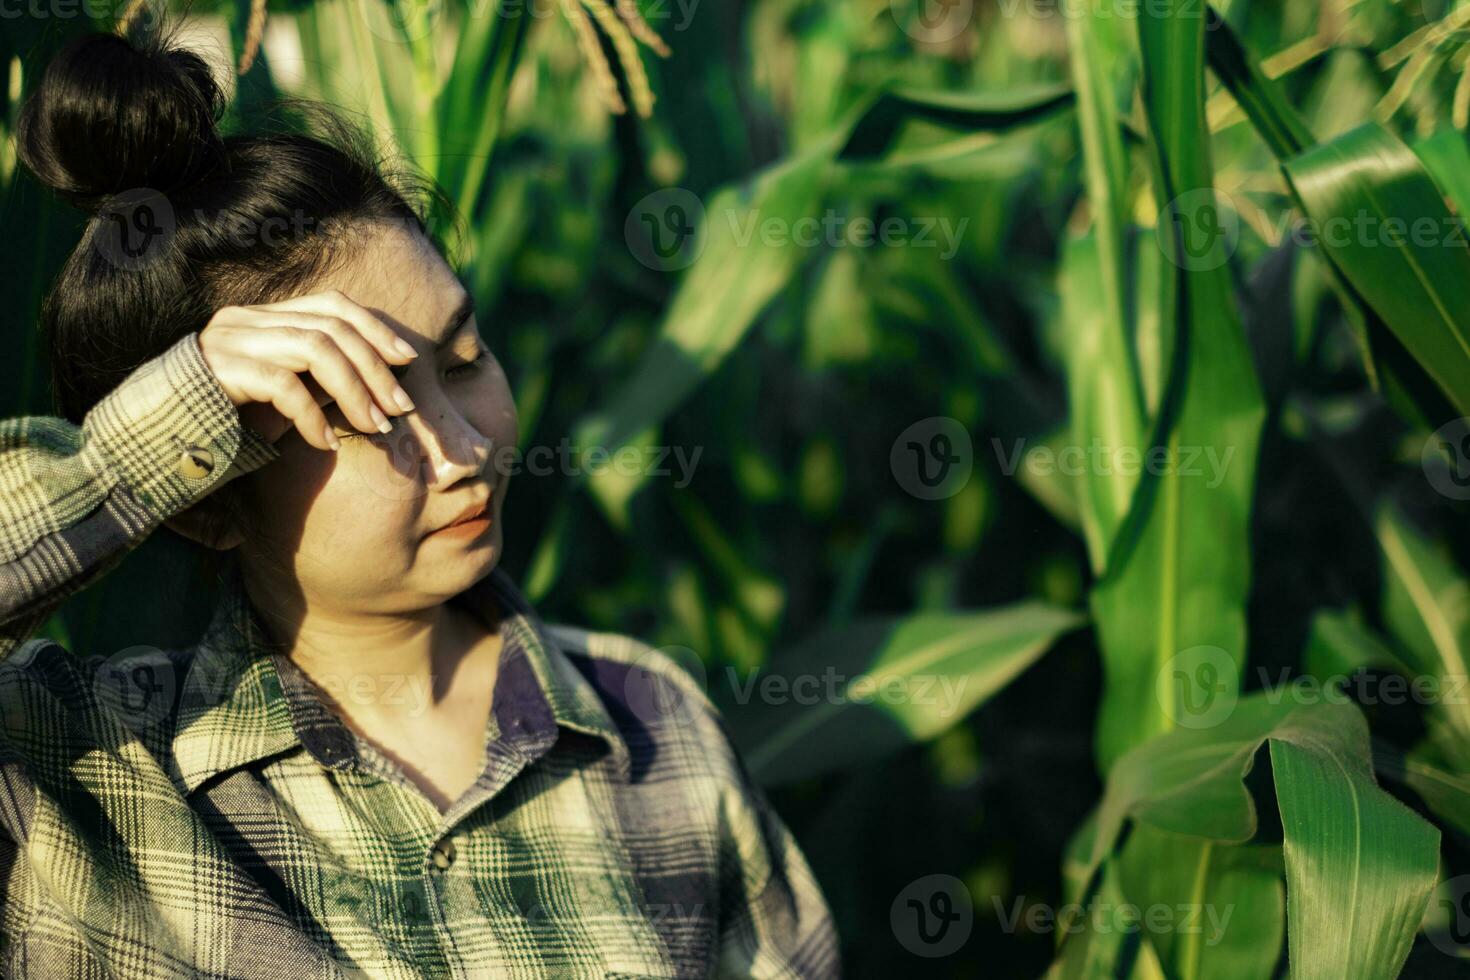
<point x="443" y="854"/>
<point x="196" y="463"/>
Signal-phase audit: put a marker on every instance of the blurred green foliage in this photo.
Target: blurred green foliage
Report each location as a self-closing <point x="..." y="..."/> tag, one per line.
<point x="1046" y="140"/>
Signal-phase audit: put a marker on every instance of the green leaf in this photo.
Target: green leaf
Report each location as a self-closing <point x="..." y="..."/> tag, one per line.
<point x="472" y="104"/>
<point x="1101" y="945"/>
<point x="1179" y="568"/>
<point x="1359" y="864"/>
<point x="1274" y="118"/>
<point x="852" y="694"/>
<point x="1426" y="608"/>
<point x="1052" y="487"/>
<point x="1417" y="281"/>
<point x="1446" y="157"/>
<point x="1339" y="645"/>
<point x="1359" y="867"/>
<point x="1444" y="792"/>
<point x="1391" y="367"/>
<point x="882" y="124"/>
<point x="1103" y="381"/>
<point x="737" y="274"/>
<point x="1223" y="906"/>
<point x="1102" y="387"/>
<point x="739" y="271"/>
<point x="759" y="596"/>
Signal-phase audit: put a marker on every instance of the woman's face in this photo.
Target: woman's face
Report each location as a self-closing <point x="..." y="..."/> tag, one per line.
<point x="356" y="527"/>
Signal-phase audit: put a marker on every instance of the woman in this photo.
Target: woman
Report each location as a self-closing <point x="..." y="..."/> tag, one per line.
<point x="377" y="761"/>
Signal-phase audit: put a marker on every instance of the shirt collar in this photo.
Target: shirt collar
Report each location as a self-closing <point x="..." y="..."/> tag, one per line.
<point x="243" y="699"/>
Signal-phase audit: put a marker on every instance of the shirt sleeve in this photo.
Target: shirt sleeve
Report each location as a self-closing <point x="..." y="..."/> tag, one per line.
<point x="773" y="920"/>
<point x="74" y="499"/>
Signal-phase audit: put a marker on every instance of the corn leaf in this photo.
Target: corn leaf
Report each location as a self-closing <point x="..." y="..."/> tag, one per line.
<point x="1417" y="281"/>
<point x="1391" y="367"/>
<point x="1426" y="608"/>
<point x="739" y="271"/>
<point x="854" y="693"/>
<point x="1179" y="568"/>
<point x="473" y="101"/>
<point x="882" y="124"/>
<point x="1359" y="865"/>
<point x="1226" y="903"/>
<point x="1103" y="389"/>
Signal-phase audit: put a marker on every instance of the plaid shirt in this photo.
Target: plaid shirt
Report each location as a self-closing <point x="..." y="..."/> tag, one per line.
<point x="202" y="812"/>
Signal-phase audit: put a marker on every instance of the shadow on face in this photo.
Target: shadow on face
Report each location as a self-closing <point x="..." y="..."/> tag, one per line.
<point x="356" y="532"/>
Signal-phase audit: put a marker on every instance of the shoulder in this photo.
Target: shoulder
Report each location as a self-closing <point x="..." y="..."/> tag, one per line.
<point x="656" y="696"/>
<point x="44" y="669"/>
<point x="626" y="662"/>
<point x="52" y="697"/>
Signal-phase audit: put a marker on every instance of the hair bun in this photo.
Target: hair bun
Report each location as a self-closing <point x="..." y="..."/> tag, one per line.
<point x="109" y="115"/>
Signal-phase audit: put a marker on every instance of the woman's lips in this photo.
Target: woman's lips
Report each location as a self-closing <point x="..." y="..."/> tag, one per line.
<point x="471" y="523"/>
<point x="466" y="530"/>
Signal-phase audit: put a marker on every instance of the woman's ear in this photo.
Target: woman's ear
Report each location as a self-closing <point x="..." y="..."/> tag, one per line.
<point x="208" y="523"/>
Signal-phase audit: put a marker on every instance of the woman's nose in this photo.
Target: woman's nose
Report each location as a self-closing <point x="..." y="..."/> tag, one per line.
<point x="452" y="450"/>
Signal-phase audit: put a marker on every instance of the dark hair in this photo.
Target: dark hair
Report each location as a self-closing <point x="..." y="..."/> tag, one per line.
<point x="184" y="219"/>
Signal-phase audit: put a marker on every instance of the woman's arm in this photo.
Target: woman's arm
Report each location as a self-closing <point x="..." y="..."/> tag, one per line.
<point x="74" y="499"/>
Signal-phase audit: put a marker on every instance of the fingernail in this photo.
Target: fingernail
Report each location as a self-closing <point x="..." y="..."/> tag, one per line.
<point x="381" y="420"/>
<point x="332" y="439"/>
<point x="401" y="397"/>
<point x="405" y="348"/>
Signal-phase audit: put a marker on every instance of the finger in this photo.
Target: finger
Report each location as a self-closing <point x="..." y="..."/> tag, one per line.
<point x="370" y="365"/>
<point x="391" y="398"/>
<point x="284" y="390"/>
<point x="301" y="349"/>
<point x="334" y="302"/>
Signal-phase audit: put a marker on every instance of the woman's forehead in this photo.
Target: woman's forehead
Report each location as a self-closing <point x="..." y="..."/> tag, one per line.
<point x="401" y="276"/>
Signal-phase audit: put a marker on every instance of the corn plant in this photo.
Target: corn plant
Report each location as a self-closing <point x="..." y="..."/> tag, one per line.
<point x="1144" y="640"/>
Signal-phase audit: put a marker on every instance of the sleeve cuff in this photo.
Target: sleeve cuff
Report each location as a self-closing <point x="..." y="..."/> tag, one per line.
<point x="171" y="432"/>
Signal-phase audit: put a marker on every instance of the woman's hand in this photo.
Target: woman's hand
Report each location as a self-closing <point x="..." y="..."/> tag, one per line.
<point x="259" y="353"/>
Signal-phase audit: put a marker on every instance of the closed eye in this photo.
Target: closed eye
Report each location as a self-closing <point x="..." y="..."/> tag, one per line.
<point x="468" y="367"/>
<point x="452" y="373"/>
<point x="347" y="432"/>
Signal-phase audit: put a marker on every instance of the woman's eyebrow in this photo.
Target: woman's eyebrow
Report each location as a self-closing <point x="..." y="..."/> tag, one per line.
<point x="452" y="326"/>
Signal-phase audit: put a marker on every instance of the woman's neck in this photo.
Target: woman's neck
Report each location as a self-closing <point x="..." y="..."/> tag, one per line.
<point x="381" y="667"/>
